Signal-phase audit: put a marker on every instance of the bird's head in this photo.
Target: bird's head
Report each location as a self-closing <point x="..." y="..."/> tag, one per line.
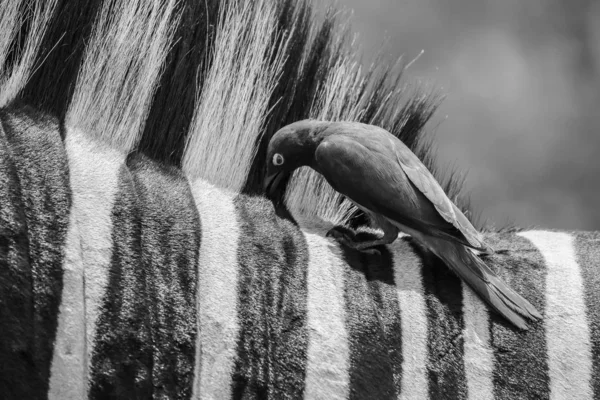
<point x="291" y="147"/>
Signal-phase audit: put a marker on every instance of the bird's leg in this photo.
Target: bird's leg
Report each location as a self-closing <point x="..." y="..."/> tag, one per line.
<point x="390" y="233"/>
<point x="340" y="232"/>
<point x="496" y="251"/>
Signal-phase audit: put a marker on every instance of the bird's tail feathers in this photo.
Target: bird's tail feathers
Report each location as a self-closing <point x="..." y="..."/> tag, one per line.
<point x="484" y="282"/>
<point x="481" y="248"/>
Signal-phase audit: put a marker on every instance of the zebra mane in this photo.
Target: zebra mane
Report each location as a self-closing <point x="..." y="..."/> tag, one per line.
<point x="119" y="73"/>
<point x="204" y="85"/>
<point x="17" y="62"/>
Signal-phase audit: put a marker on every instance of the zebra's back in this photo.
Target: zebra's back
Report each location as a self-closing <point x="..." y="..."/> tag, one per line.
<point x="147" y="284"/>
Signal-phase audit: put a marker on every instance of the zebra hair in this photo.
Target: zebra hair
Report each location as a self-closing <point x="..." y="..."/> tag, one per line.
<point x="12" y="15"/>
<point x="120" y="69"/>
<point x="232" y="74"/>
<point x="232" y="108"/>
<point x="208" y="294"/>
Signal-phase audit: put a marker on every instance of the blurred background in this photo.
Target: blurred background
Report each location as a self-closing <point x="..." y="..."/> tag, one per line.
<point x="522" y="107"/>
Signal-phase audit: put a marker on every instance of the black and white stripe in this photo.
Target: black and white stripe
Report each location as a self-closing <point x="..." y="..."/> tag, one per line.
<point x="328" y="349"/>
<point x="169" y="220"/>
<point x="218" y="277"/>
<point x="569" y="360"/>
<point x="519" y="369"/>
<point x="124" y="277"/>
<point x="189" y="290"/>
<point x="586" y="250"/>
<point x="35" y="202"/>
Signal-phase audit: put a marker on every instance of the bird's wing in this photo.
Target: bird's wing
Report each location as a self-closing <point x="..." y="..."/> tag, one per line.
<point x="372" y="174"/>
<point x="420" y="176"/>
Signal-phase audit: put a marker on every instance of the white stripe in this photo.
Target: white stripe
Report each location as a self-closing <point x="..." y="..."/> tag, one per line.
<point x="93" y="171"/>
<point x="68" y="378"/>
<point x="327" y="374"/>
<point x="479" y="356"/>
<point x="217" y="292"/>
<point x="567" y="331"/>
<point x="413" y="314"/>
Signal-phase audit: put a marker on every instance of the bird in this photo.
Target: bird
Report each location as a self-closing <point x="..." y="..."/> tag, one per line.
<point x="385" y="179"/>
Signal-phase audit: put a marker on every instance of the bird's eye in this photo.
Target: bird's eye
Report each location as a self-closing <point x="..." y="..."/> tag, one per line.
<point x="278" y="159"/>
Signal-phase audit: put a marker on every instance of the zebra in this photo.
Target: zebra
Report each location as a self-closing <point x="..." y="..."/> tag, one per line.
<point x="139" y="259"/>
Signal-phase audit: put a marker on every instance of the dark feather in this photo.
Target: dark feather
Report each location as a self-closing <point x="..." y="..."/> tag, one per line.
<point x="484" y="282"/>
<point x="379" y="173"/>
<point x="376" y="170"/>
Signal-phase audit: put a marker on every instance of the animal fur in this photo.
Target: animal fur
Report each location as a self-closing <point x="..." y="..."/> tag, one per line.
<point x="127" y="272"/>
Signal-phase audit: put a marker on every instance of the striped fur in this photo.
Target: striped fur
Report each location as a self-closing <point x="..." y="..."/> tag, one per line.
<point x="128" y="272"/>
<point x="283" y="312"/>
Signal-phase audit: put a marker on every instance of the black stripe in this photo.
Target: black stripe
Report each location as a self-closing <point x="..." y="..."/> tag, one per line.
<point x="373" y="363"/>
<point x="121" y="364"/>
<point x="587" y="248"/>
<point x="40" y="163"/>
<point x="272" y="289"/>
<point x="18" y="374"/>
<point x="521" y="370"/>
<point x="307" y="61"/>
<point x="445" y="344"/>
<point x="182" y="78"/>
<point x="170" y="250"/>
<point x="58" y="60"/>
<point x="385" y="293"/>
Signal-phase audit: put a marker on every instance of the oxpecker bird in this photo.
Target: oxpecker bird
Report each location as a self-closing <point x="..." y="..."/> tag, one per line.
<point x="386" y="180"/>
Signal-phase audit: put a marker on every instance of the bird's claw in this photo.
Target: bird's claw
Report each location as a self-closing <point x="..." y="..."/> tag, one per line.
<point x="345" y="240"/>
<point x="336" y="233"/>
<point x="341" y="237"/>
<point x="495" y="252"/>
<point x="370" y="250"/>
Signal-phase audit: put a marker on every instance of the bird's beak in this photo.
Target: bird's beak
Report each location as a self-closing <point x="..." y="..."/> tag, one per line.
<point x="271" y="183"/>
